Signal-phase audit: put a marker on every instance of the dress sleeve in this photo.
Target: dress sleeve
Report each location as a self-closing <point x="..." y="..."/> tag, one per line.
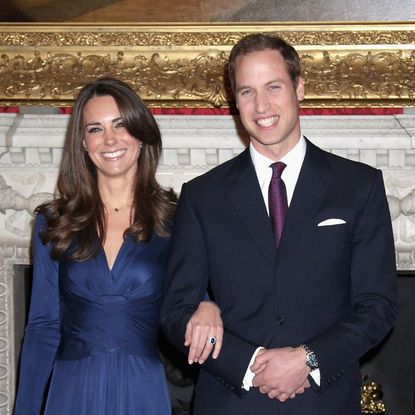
<point x="42" y="335"/>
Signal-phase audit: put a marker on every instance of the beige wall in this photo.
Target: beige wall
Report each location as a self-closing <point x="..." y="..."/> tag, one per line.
<point x="204" y="10"/>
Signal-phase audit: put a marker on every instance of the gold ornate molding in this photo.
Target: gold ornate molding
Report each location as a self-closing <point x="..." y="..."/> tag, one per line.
<point x="170" y="65"/>
<point x="372" y="397"/>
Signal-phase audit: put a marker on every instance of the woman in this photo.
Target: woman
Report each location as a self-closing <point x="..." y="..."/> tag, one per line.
<point x="100" y="253"/>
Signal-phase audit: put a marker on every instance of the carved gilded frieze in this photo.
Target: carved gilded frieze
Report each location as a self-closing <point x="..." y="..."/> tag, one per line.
<point x="184" y="66"/>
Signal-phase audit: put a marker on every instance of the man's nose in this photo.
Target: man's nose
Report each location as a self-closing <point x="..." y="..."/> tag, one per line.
<point x="261" y="102"/>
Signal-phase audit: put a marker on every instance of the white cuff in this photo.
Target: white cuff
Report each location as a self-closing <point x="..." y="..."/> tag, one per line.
<point x="315" y="374"/>
<point x="249" y="375"/>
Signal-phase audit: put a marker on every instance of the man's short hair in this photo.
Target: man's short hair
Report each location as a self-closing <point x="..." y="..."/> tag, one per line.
<point x="258" y="42"/>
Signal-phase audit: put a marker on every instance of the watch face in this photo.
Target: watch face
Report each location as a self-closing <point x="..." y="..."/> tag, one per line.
<point x="311" y="361"/>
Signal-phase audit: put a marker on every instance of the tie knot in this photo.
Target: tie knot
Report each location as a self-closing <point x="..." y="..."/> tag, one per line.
<point x="277" y="169"/>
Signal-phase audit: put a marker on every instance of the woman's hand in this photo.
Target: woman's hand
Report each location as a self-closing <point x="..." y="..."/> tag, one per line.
<point x="204" y="332"/>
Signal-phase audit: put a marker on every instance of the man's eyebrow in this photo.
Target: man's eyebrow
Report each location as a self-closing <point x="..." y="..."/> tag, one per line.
<point x="275" y="81"/>
<point x="272" y="81"/>
<point x="243" y="87"/>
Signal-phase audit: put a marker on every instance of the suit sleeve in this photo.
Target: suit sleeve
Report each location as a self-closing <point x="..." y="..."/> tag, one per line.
<point x="42" y="331"/>
<point x="186" y="285"/>
<point x="374" y="290"/>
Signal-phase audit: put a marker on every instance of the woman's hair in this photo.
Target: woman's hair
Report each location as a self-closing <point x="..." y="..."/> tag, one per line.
<point x="77" y="216"/>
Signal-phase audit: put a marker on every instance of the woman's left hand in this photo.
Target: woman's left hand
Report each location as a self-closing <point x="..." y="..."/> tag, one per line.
<point x="204" y="333"/>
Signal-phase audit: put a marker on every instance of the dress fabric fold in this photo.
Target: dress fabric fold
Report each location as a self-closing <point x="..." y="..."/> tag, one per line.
<point x="93" y="332"/>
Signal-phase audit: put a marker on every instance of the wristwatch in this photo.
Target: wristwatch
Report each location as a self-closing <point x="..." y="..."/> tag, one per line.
<point x="311" y="359"/>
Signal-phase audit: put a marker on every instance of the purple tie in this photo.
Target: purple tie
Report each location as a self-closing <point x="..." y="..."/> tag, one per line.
<point x="277" y="200"/>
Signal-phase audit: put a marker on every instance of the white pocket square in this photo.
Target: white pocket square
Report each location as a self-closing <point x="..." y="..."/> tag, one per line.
<point x="332" y="221"/>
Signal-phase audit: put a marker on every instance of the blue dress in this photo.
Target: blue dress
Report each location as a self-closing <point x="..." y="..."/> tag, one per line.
<point x="93" y="332"/>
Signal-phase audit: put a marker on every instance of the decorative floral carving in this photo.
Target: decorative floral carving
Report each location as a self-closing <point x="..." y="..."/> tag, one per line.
<point x="353" y="76"/>
<point x="204" y="36"/>
<point x="360" y="75"/>
<point x="60" y="76"/>
<point x="170" y="65"/>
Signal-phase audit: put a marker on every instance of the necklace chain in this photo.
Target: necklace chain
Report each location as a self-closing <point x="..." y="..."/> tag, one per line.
<point x="117" y="208"/>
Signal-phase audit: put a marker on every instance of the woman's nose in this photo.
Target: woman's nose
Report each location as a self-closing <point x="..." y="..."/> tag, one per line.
<point x="110" y="136"/>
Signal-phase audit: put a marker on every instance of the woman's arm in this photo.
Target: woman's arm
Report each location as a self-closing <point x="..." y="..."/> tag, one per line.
<point x="42" y="331"/>
<point x="204" y="333"/>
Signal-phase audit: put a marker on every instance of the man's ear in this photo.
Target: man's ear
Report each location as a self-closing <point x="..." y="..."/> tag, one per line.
<point x="300" y="88"/>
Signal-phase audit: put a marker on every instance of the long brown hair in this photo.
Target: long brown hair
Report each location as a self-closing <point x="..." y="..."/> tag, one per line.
<point x="77" y="216"/>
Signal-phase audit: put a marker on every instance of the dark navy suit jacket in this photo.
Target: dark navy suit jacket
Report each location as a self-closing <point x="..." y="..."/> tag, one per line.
<point x="332" y="287"/>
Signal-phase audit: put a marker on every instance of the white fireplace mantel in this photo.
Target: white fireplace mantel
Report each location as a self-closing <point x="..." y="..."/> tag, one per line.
<point x="31" y="148"/>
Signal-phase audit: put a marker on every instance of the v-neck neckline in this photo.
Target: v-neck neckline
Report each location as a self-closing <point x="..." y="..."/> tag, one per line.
<point x="117" y="257"/>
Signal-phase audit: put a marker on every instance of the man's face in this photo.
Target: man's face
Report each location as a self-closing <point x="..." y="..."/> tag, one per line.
<point x="268" y="102"/>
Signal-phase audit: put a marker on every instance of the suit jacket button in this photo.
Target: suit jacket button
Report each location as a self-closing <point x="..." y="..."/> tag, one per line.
<point x="280" y="321"/>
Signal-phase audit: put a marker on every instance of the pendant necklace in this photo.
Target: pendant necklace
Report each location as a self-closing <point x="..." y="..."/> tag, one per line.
<point x="117" y="209"/>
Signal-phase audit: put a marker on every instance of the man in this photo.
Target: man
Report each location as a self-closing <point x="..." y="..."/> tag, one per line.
<point x="298" y="255"/>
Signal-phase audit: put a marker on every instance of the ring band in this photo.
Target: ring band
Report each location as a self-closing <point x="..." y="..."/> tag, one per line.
<point x="211" y="340"/>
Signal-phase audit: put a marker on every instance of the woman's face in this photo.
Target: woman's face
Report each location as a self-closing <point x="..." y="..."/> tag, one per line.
<point x="110" y="146"/>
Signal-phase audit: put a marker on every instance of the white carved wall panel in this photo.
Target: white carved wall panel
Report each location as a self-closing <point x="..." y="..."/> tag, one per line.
<point x="31" y="147"/>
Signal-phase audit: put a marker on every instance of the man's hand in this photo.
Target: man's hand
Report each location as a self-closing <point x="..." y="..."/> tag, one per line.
<point x="281" y="373"/>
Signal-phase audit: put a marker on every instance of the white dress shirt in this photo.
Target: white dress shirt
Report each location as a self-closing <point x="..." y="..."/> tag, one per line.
<point x="293" y="161"/>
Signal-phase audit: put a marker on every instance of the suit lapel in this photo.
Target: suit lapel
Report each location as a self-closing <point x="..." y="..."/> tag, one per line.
<point x="311" y="189"/>
<point x="245" y="195"/>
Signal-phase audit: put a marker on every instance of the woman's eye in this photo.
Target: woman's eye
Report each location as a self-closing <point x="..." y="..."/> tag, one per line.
<point x="93" y="130"/>
<point x="120" y="124"/>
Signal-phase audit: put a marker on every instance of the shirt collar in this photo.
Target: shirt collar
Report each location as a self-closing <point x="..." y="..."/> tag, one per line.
<point x="293" y="159"/>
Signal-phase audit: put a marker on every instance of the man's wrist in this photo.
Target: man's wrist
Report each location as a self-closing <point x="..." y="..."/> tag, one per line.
<point x="311" y="359"/>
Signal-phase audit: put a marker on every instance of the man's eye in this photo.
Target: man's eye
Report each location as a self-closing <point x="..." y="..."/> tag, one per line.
<point x="274" y="87"/>
<point x="246" y="92"/>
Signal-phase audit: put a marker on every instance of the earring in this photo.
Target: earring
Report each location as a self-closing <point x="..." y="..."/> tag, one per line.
<point x="85" y="147"/>
<point x="140" y="145"/>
